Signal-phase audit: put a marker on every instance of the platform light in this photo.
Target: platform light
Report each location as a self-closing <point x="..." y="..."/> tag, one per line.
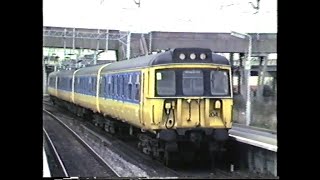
<point x="203" y="56"/>
<point x="182" y="56"/>
<point x="192" y="56"/>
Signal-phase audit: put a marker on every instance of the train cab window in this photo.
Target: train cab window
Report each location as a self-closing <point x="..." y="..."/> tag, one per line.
<point x="137" y="87"/>
<point x="130" y="87"/>
<point x="166" y="82"/>
<point x="192" y="82"/>
<point x="219" y="83"/>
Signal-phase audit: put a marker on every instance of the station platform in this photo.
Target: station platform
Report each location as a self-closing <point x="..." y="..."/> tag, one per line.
<point x="259" y="137"/>
<point x="46" y="170"/>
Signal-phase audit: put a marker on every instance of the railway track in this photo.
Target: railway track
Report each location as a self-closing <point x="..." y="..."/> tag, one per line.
<point x="60" y="169"/>
<point x="75" y="157"/>
<point x="105" y="143"/>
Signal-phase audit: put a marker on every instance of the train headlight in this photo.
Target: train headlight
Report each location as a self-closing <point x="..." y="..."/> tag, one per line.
<point x="217" y="105"/>
<point x="182" y="56"/>
<point x="203" y="56"/>
<point x="192" y="56"/>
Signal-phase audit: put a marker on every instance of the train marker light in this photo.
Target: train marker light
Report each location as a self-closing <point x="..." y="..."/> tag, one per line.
<point x="192" y="56"/>
<point x="203" y="56"/>
<point x="182" y="56"/>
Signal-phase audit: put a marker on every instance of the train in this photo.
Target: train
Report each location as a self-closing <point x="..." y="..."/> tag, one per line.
<point x="178" y="103"/>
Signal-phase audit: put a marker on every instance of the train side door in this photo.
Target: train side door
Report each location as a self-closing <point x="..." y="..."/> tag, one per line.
<point x="143" y="84"/>
<point x="56" y="87"/>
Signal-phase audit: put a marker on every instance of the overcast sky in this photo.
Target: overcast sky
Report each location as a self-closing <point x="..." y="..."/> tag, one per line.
<point x="163" y="15"/>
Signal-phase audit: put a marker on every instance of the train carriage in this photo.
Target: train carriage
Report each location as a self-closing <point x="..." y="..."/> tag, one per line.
<point x="60" y="84"/>
<point x="175" y="100"/>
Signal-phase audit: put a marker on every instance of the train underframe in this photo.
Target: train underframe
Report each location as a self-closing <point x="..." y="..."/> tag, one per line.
<point x="169" y="146"/>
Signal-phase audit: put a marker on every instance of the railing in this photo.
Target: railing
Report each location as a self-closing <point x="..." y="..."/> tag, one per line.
<point x="84" y="35"/>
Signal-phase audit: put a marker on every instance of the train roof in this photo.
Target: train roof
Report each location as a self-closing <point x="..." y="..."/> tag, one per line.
<point x="62" y="73"/>
<point x="167" y="57"/>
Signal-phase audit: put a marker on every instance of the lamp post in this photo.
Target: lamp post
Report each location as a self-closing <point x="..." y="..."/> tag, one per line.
<point x="248" y="70"/>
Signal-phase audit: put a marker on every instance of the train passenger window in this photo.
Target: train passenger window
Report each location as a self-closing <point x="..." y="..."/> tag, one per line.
<point x="219" y="83"/>
<point x="130" y="87"/>
<point x="65" y="83"/>
<point x="118" y="85"/>
<point x="77" y="84"/>
<point x="58" y="79"/>
<point x="114" y="87"/>
<point x="137" y="84"/>
<point x="102" y="88"/>
<point x="89" y="87"/>
<point x="58" y="82"/>
<point x="62" y="83"/>
<point x="125" y="87"/>
<point x="122" y="86"/>
<point x="109" y="91"/>
<point x="192" y="82"/>
<point x="93" y="85"/>
<point x="84" y="84"/>
<point x="81" y="85"/>
<point x="70" y="84"/>
<point x="166" y="82"/>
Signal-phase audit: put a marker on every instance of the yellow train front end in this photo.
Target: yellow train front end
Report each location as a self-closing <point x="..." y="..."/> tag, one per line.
<point x="188" y="103"/>
<point x="189" y="99"/>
